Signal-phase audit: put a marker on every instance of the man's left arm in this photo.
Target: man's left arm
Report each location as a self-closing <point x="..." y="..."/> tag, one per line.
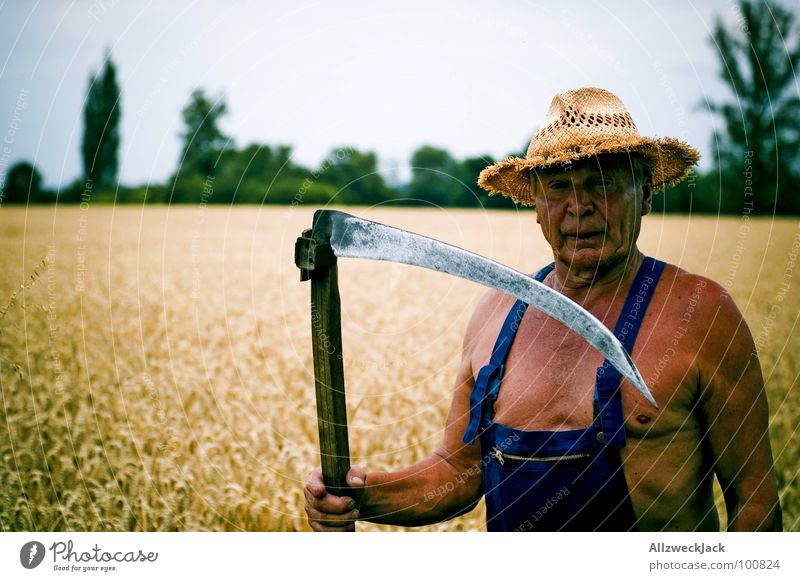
<point x="734" y="410"/>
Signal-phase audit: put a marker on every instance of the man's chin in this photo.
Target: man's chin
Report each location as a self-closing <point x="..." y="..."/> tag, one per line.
<point x="585" y="258"/>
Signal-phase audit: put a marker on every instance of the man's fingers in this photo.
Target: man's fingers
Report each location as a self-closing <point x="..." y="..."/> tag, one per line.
<point x="314" y="483"/>
<point x="332" y="520"/>
<point x="329" y="503"/>
<point x="325" y="529"/>
<point x="356" y="476"/>
<point x="333" y="504"/>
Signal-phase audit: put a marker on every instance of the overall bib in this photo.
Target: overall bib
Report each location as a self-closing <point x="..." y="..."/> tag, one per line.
<point x="570" y="480"/>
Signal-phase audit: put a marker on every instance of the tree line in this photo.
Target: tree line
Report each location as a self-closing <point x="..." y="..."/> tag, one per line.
<point x="755" y="170"/>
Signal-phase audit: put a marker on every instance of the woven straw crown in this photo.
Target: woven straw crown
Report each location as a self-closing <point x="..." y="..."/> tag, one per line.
<point x="583" y="123"/>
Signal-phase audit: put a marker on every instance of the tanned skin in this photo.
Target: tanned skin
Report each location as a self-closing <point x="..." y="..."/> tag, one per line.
<point x="694" y="351"/>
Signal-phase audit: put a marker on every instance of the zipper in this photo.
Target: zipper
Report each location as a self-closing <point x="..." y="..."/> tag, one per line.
<point x="498" y="454"/>
<point x="503" y="456"/>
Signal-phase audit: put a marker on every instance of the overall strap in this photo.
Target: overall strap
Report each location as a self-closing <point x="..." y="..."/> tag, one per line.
<point x="607" y="388"/>
<point x="487" y="384"/>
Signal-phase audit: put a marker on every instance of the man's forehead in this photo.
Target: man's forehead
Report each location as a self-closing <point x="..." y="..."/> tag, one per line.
<point x="600" y="163"/>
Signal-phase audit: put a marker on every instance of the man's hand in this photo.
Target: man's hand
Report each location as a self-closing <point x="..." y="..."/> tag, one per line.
<point x="327" y="512"/>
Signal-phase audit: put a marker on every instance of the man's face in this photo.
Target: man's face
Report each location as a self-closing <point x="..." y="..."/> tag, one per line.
<point x="590" y="214"/>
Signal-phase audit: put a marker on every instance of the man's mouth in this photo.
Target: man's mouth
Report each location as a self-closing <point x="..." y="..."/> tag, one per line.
<point x="585" y="235"/>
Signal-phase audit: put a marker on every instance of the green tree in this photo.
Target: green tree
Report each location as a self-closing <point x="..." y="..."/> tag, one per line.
<point x="758" y="168"/>
<point x="257" y="174"/>
<point x="354" y="174"/>
<point x="101" y="117"/>
<point x="203" y="143"/>
<point x="469" y="193"/>
<point x="433" y="176"/>
<point x="23" y="185"/>
<point x="203" y="140"/>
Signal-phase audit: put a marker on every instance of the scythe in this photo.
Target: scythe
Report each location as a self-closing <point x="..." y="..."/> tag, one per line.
<point x="336" y="235"/>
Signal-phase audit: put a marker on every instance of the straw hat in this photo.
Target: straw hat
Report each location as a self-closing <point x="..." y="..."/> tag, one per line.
<point x="582" y="123"/>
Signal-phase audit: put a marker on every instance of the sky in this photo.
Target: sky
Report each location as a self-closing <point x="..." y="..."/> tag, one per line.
<point x="474" y="77"/>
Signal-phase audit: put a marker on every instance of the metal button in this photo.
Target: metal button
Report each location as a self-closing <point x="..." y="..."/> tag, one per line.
<point x="601" y="437"/>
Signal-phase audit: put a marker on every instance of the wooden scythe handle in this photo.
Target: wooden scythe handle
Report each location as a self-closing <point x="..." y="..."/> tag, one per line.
<point x="326" y="334"/>
<point x="314" y="257"/>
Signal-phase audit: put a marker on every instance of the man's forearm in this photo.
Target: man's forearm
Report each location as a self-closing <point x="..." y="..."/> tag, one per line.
<point x="428" y="492"/>
<point x="756" y="517"/>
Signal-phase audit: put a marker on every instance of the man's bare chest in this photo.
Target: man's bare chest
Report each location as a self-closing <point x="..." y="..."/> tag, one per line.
<point x="550" y="372"/>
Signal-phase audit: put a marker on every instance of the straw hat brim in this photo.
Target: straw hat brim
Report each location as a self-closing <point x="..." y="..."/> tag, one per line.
<point x="672" y="161"/>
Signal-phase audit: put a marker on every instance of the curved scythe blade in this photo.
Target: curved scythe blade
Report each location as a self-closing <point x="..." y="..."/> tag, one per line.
<point x="353" y="237"/>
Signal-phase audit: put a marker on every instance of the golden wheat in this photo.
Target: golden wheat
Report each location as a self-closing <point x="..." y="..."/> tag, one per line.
<point x="155" y="364"/>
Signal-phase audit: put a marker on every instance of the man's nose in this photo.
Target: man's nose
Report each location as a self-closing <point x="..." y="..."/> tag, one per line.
<point x="580" y="201"/>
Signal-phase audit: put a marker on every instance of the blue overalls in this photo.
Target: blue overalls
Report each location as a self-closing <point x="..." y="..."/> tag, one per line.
<point x="569" y="480"/>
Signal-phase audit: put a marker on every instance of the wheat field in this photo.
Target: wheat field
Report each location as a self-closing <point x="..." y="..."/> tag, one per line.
<point x="155" y="364"/>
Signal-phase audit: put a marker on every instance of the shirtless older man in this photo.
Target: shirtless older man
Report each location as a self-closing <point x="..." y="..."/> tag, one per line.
<point x="549" y="433"/>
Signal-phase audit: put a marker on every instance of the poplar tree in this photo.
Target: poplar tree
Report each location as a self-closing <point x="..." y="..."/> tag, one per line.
<point x="101" y="117"/>
<point x="756" y="149"/>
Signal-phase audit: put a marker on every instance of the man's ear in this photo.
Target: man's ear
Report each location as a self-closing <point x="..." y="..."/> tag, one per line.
<point x="647" y="196"/>
<point x="536" y="211"/>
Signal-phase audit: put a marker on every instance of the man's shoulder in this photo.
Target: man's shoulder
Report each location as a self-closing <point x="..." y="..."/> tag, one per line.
<point x="491" y="304"/>
<point x="705" y="321"/>
<point x="681" y="284"/>
<point x="699" y="298"/>
<point x="488" y="314"/>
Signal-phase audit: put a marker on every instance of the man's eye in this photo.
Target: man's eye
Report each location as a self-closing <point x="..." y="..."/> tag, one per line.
<point x="557" y="185"/>
<point x="602" y="182"/>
